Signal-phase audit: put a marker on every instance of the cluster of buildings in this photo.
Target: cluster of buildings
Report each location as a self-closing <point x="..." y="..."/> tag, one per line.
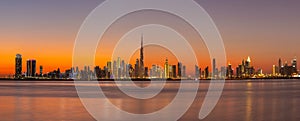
<point x="246" y="71"/>
<point x="116" y="69"/>
<point x="30" y="67"/>
<point x="119" y="69"/>
<point x="285" y="70"/>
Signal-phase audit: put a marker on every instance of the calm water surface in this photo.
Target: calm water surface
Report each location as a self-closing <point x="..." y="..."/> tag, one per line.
<point x="268" y="100"/>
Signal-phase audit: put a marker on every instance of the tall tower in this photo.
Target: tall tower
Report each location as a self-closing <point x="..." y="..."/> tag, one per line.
<point x="142" y="67"/>
<point x="214" y="68"/>
<point x="184" y="71"/>
<point x="179" y="69"/>
<point x="137" y="68"/>
<point x="294" y="64"/>
<point x="166" y="71"/>
<point x="18" y="71"/>
<point x="248" y="62"/>
<point x="31" y="68"/>
<point x="280" y="70"/>
<point x="279" y="63"/>
<point x="41" y="71"/>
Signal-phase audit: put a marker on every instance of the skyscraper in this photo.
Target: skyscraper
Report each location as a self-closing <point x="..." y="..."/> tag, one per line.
<point x="115" y="70"/>
<point x="294" y="65"/>
<point x="280" y="69"/>
<point x="197" y="73"/>
<point x="184" y="71"/>
<point x="206" y="73"/>
<point x="274" y="70"/>
<point x="142" y="67"/>
<point x="136" y="68"/>
<point x="146" y="72"/>
<point x="214" y="69"/>
<point x="294" y="62"/>
<point x="280" y="63"/>
<point x="123" y="69"/>
<point x="170" y="71"/>
<point x="179" y="69"/>
<point x="174" y="71"/>
<point x="167" y="73"/>
<point x="31" y="68"/>
<point x="18" y="67"/>
<point x="109" y="69"/>
<point x="229" y="71"/>
<point x="41" y="71"/>
<point x="118" y="62"/>
<point x="249" y="69"/>
<point x="248" y="62"/>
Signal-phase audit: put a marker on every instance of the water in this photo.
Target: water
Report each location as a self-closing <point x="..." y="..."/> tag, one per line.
<point x="265" y="100"/>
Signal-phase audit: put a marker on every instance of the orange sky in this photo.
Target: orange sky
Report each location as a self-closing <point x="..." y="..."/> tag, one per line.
<point x="46" y="31"/>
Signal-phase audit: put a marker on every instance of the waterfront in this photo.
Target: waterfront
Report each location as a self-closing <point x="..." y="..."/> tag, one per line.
<point x="242" y="100"/>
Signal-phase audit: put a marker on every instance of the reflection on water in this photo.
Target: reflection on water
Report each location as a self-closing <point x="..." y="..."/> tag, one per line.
<point x="241" y="100"/>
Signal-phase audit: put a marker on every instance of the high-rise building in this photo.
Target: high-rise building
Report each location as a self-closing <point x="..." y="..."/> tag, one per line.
<point x="184" y="71"/>
<point x="142" y="66"/>
<point x="153" y="71"/>
<point x="109" y="66"/>
<point x="18" y="66"/>
<point x="279" y="63"/>
<point x="280" y="67"/>
<point x="229" y="71"/>
<point x="130" y="70"/>
<point x="294" y="64"/>
<point x="239" y="71"/>
<point x="97" y="71"/>
<point x="274" y="70"/>
<point x="170" y="71"/>
<point x="136" y="68"/>
<point x="214" y="68"/>
<point x="223" y="72"/>
<point x="41" y="70"/>
<point x="179" y="69"/>
<point x="118" y="62"/>
<point x="115" y="70"/>
<point x="243" y="67"/>
<point x="197" y="73"/>
<point x="200" y="73"/>
<point x="31" y="68"/>
<point x="206" y="73"/>
<point x="248" y="62"/>
<point x="174" y="71"/>
<point x="166" y="69"/>
<point x="146" y="72"/>
<point x="77" y="69"/>
<point x="119" y="70"/>
<point x="123" y="69"/>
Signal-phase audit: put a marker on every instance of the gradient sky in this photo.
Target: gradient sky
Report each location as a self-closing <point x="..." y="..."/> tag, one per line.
<point x="46" y="29"/>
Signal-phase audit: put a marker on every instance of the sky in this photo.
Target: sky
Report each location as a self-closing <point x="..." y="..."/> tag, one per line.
<point x="46" y="30"/>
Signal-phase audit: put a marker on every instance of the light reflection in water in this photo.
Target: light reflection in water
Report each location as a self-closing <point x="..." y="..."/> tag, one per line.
<point x="248" y="101"/>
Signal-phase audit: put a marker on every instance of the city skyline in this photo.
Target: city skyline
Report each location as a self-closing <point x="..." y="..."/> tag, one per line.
<point x="121" y="69"/>
<point x="145" y="60"/>
<point x="245" y="31"/>
<point x="65" y="67"/>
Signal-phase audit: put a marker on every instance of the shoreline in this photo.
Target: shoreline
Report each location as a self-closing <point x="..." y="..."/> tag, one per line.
<point x="148" y="80"/>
